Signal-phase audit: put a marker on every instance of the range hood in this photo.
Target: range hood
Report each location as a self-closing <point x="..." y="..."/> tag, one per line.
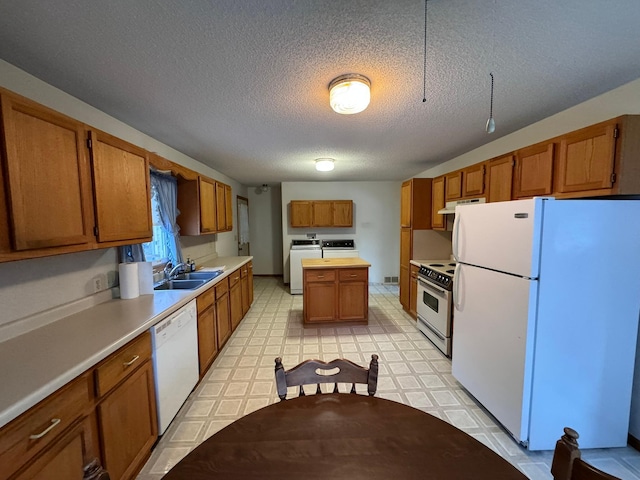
<point x="450" y="207"/>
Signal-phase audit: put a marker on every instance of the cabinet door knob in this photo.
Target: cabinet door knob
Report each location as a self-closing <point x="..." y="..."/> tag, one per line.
<point x="54" y="424"/>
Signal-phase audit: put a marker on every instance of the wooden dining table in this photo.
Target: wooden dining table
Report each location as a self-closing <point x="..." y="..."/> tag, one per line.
<point x="341" y="436"/>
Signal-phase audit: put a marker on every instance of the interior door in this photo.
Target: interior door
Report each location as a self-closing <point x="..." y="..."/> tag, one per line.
<point x="243" y="226"/>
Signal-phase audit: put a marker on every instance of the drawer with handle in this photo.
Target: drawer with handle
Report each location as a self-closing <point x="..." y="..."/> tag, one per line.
<point x="319" y="275"/>
<point x="37" y="428"/>
<point x="234" y="278"/>
<point x="354" y="275"/>
<point x="123" y="362"/>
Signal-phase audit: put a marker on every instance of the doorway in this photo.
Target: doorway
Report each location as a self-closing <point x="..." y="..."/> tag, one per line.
<point x="243" y="226"/>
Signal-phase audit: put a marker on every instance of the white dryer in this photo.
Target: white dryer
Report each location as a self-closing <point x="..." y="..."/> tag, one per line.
<point x="339" y="249"/>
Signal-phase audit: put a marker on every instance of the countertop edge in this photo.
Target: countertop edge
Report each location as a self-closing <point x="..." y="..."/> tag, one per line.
<point x="169" y="301"/>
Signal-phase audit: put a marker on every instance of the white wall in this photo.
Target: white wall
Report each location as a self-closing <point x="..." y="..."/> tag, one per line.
<point x="620" y="101"/>
<point x="32" y="286"/>
<point x="376" y="221"/>
<point x="265" y="230"/>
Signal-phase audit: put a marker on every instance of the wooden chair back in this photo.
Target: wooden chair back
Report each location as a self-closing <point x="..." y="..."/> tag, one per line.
<point x="336" y="371"/>
<point x="567" y="464"/>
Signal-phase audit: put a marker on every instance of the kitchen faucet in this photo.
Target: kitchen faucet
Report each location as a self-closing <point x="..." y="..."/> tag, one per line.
<point x="170" y="270"/>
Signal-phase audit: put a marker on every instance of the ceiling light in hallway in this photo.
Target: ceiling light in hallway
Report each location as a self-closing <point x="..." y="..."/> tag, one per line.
<point x="324" y="164"/>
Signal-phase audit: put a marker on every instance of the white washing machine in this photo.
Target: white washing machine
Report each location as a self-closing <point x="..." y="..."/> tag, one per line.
<point x="339" y="249"/>
<point x="300" y="249"/>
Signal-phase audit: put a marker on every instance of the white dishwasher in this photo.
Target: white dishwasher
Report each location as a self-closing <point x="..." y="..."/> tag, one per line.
<point x="175" y="361"/>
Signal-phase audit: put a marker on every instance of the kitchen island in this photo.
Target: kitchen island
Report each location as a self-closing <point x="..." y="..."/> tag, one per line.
<point x="335" y="290"/>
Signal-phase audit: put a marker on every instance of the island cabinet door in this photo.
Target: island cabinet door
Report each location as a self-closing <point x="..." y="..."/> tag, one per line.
<point x="320" y="295"/>
<point x="353" y="294"/>
<point x="320" y="302"/>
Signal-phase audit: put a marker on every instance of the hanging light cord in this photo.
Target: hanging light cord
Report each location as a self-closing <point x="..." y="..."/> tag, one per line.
<point x="424" y="82"/>
<point x="491" y="105"/>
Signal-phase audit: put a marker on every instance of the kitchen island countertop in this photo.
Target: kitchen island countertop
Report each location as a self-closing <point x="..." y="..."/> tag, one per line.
<point x="347" y="262"/>
<point x="39" y="362"/>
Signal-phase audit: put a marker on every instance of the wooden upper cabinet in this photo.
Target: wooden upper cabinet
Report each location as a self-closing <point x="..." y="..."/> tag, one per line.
<point x="500" y="176"/>
<point x="207" y="201"/>
<point x="415" y="204"/>
<point x="221" y="208"/>
<point x="228" y="206"/>
<point x="438" y="222"/>
<point x="205" y="206"/>
<point x="473" y="180"/>
<point x="300" y="213"/>
<point x="121" y="189"/>
<point x="534" y="170"/>
<point x="342" y="213"/>
<point x="322" y="213"/>
<point x="405" y="204"/>
<point x="453" y="189"/>
<point x="48" y="183"/>
<point x="586" y="159"/>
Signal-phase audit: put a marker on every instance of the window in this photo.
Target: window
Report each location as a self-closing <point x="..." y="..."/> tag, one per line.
<point x="160" y="249"/>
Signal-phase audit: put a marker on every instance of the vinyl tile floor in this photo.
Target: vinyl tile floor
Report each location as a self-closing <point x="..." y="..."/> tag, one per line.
<point x="411" y="371"/>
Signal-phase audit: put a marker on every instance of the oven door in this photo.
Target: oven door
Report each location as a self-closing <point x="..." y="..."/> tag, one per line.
<point x="434" y="306"/>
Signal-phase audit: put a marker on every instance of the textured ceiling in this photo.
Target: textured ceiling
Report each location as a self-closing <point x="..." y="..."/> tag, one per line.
<point x="241" y="85"/>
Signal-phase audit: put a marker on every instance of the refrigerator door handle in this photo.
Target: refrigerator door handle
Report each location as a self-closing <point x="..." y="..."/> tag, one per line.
<point x="456" y="286"/>
<point x="454" y="244"/>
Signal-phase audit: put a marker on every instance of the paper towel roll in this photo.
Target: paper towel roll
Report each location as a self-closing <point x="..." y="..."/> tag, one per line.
<point x="129" y="287"/>
<point x="145" y="278"/>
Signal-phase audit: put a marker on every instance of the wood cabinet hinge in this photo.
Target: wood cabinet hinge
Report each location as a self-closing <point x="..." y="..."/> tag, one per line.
<point x="95" y="231"/>
<point x="613" y="178"/>
<point x="615" y="132"/>
<point x="89" y="143"/>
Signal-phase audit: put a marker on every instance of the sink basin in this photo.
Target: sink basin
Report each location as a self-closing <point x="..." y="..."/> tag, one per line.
<point x="189" y="284"/>
<point x="206" y="276"/>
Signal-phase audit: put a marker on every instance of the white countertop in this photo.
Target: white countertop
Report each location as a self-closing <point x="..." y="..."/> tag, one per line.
<point x="37" y="363"/>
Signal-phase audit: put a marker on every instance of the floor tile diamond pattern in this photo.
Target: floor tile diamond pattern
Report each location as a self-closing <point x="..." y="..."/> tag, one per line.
<point x="412" y="371"/>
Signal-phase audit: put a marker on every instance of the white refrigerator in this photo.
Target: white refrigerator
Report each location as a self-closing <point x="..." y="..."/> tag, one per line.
<point x="546" y="308"/>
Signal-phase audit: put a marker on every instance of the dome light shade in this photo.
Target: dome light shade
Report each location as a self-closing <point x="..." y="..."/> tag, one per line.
<point x="324" y="164"/>
<point x="349" y="93"/>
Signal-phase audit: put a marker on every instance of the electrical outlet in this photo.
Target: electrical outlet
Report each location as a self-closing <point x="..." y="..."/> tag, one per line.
<point x="97" y="284"/>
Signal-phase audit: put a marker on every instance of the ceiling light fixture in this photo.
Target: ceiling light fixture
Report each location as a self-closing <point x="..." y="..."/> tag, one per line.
<point x="265" y="187"/>
<point x="324" y="164"/>
<point x="349" y="93"/>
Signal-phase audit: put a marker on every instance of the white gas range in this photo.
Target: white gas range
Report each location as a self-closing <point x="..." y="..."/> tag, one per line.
<point x="435" y="303"/>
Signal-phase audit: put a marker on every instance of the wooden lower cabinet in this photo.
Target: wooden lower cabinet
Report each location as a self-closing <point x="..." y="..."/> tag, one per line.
<point x="413" y="293"/>
<point x="320" y="296"/>
<point x="128" y="424"/>
<point x="207" y="341"/>
<point x="65" y="459"/>
<point x="244" y="282"/>
<point x="222" y="313"/>
<point x="353" y="294"/>
<point x="37" y="437"/>
<point x="336" y="295"/>
<point x="250" y="277"/>
<point x="235" y="299"/>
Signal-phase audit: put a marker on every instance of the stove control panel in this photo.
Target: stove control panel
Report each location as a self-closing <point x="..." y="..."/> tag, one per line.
<point x="441" y="279"/>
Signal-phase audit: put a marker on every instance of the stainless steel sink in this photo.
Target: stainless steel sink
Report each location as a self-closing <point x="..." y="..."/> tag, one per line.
<point x="187" y="284"/>
<point x="206" y="276"/>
